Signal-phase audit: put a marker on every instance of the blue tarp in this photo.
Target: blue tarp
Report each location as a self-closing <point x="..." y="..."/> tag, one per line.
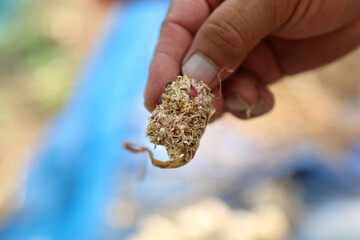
<point x="71" y="180"/>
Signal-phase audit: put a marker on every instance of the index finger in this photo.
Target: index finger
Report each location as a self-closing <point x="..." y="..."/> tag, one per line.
<point x="183" y="19"/>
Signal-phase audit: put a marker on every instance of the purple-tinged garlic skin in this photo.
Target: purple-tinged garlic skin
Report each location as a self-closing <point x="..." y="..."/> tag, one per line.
<point x="179" y="121"/>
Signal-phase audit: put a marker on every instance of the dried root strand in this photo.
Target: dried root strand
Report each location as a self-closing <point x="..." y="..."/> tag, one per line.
<point x="219" y="77"/>
<point x="161" y="164"/>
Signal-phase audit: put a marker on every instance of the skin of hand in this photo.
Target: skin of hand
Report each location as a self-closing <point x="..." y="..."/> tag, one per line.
<point x="261" y="40"/>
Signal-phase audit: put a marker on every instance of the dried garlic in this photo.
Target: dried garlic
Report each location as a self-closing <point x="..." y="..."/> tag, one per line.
<point x="179" y="121"/>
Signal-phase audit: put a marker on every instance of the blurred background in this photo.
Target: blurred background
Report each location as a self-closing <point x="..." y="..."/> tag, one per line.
<point x="72" y="75"/>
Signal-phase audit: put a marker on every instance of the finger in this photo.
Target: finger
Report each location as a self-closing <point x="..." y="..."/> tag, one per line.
<point x="182" y="21"/>
<point x="315" y="18"/>
<point x="230" y="32"/>
<point x="263" y="63"/>
<point x="275" y="57"/>
<point x="245" y="96"/>
<point x="299" y="55"/>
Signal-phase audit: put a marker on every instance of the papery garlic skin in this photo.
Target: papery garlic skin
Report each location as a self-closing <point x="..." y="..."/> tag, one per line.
<point x="180" y="120"/>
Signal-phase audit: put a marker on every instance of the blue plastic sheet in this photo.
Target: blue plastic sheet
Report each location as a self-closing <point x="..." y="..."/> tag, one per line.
<point x="71" y="181"/>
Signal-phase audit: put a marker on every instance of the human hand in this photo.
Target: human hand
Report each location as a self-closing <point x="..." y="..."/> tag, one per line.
<point x="262" y="40"/>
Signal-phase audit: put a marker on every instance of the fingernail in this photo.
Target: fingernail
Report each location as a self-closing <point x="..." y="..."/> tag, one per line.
<point x="200" y="68"/>
<point x="260" y="108"/>
<point x="235" y="103"/>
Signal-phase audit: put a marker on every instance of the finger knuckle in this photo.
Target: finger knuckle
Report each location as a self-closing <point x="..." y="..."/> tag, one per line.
<point x="225" y="37"/>
<point x="167" y="25"/>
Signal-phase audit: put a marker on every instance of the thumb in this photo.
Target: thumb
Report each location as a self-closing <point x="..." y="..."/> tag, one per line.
<point x="230" y="32"/>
